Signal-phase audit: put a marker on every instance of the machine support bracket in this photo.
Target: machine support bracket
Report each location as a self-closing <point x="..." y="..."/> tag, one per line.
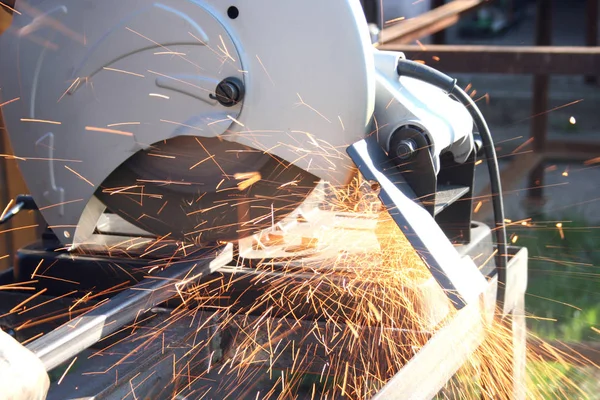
<point x="459" y="277"/>
<point x="71" y="338"/>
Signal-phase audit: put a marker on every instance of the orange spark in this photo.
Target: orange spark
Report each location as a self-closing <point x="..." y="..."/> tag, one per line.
<point x="162" y="96"/>
<point x="9" y="101"/>
<point x="27" y="300"/>
<point x="19" y="228"/>
<point x="10" y="203"/>
<point x="31" y="339"/>
<point x="394" y="20"/>
<point x="69" y="90"/>
<point x="201" y="161"/>
<point x="171" y="53"/>
<point x="265" y="69"/>
<point x="224" y="49"/>
<point x="10" y="8"/>
<point x="523" y="145"/>
<point x="160" y="45"/>
<point x="59" y="204"/>
<point x="592" y="161"/>
<point x="66" y="370"/>
<point x="161" y="155"/>
<point x="58" y="279"/>
<point x="106" y="130"/>
<point x="43" y="121"/>
<point x="123" y="71"/>
<point x="180" y="124"/>
<point x="212" y="158"/>
<point x="311" y="108"/>
<point x="560" y="230"/>
<point x="123" y="123"/>
<point x="549" y="111"/>
<point x="165" y="182"/>
<point x="235" y="120"/>
<point x="79" y="176"/>
<point x="249" y="179"/>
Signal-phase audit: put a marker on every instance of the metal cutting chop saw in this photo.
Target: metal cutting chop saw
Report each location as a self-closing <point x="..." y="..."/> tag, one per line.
<point x="176" y="137"/>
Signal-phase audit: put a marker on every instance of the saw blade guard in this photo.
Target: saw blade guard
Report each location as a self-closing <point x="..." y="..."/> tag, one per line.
<point x="99" y="83"/>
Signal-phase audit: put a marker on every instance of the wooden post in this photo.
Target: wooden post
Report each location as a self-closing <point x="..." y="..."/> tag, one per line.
<point x="5" y="239"/>
<point x="519" y="348"/>
<point x="372" y="12"/>
<point x="510" y="11"/>
<point x="438" y="37"/>
<point x="429" y="23"/>
<point x="12" y="185"/>
<point x="539" y="124"/>
<point x="591" y="31"/>
<point x="514" y="60"/>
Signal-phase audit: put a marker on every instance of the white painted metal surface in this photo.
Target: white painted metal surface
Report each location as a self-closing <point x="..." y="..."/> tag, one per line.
<point x="84" y="69"/>
<point x="94" y="82"/>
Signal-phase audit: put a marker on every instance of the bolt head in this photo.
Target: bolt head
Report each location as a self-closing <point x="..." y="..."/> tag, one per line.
<point x="229" y="92"/>
<point x="406" y="149"/>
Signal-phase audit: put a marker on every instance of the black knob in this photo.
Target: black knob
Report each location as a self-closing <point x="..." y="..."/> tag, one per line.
<point x="406" y="149"/>
<point x="229" y="92"/>
<point x="406" y="142"/>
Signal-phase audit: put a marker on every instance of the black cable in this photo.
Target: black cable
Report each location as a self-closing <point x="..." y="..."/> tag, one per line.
<point x="436" y="78"/>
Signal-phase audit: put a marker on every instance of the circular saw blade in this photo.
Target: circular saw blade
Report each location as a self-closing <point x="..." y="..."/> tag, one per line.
<point x="204" y="189"/>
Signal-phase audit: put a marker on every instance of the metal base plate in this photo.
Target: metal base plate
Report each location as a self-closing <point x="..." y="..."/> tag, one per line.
<point x="169" y="362"/>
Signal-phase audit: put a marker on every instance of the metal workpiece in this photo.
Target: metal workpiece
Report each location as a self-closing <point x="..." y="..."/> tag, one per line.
<point x="460" y="278"/>
<point x="424" y="375"/>
<point x="84" y="331"/>
<point x="151" y="366"/>
<point x="195" y="351"/>
<point x="190" y="352"/>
